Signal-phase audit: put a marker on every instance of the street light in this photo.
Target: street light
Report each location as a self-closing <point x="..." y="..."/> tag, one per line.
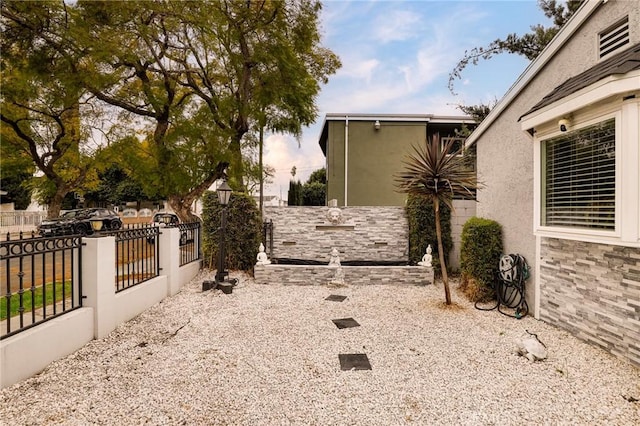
<point x="224" y="194"/>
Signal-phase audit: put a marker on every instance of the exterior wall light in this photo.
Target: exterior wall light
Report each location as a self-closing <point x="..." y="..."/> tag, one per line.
<point x="97" y="225"/>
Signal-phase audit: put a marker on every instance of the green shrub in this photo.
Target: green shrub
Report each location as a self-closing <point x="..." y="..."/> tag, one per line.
<point x="480" y="253"/>
<point x="314" y="194"/>
<point x="294" y="196"/>
<point x="243" y="231"/>
<point x="422" y="230"/>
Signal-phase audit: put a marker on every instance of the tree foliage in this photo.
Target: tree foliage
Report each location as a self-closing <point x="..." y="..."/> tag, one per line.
<point x="42" y="100"/>
<point x="15" y="176"/>
<point x="529" y="45"/>
<point x="183" y="85"/>
<point x="314" y="191"/>
<point x="294" y="196"/>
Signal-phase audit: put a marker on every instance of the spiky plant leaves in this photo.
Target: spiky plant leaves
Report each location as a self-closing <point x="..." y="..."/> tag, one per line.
<point x="434" y="172"/>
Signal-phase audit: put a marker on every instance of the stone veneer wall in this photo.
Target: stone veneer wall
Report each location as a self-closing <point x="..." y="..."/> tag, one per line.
<point x="593" y="291"/>
<point x="378" y="234"/>
<point x="353" y="275"/>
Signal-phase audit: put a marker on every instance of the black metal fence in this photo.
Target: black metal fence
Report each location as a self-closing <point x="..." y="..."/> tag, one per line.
<point x="190" y="242"/>
<point x="41" y="279"/>
<point x="267" y="237"/>
<point x="137" y="255"/>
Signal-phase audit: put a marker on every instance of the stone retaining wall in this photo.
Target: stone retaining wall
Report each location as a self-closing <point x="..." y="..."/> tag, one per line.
<point x="353" y="275"/>
<point x="366" y="233"/>
<point x="593" y="291"/>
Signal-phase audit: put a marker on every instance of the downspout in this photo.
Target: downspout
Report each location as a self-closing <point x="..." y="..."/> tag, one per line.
<point x="346" y="157"/>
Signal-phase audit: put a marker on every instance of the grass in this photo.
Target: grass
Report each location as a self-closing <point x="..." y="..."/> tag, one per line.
<point x="34" y="299"/>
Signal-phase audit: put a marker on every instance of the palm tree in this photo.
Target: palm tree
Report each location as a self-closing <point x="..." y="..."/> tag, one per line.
<point x="433" y="172"/>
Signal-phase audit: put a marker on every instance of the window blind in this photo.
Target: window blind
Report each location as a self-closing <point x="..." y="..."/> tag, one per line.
<point x="579" y="178"/>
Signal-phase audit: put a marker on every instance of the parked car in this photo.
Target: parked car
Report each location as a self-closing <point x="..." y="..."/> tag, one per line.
<point x="164" y="219"/>
<point x="79" y="222"/>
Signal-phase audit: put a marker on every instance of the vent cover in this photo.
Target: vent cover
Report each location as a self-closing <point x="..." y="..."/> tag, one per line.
<point x="614" y="38"/>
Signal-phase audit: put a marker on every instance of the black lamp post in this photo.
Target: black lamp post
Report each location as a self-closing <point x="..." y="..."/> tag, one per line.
<point x="224" y="194"/>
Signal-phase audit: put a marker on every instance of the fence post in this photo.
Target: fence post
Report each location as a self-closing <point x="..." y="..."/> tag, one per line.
<point x="98" y="283"/>
<point x="170" y="258"/>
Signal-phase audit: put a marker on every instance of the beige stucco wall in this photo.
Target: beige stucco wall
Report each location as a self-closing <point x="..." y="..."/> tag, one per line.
<point x="505" y="152"/>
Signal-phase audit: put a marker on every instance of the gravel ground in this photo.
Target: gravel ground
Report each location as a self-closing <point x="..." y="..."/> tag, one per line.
<point x="268" y="355"/>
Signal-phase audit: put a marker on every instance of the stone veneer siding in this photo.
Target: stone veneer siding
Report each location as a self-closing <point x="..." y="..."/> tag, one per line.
<point x="593" y="291"/>
<point x="353" y="275"/>
<point x="378" y="234"/>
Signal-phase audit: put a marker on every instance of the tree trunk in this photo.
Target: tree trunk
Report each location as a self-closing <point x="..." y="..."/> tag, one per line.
<point x="443" y="266"/>
<point x="55" y="204"/>
<point x="182" y="208"/>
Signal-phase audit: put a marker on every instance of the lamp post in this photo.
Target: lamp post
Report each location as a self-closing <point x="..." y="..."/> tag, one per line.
<point x="224" y="194"/>
<point x="96" y="225"/>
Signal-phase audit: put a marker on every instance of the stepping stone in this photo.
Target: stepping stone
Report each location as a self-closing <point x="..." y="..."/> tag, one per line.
<point x="354" y="362"/>
<point x="345" y="323"/>
<point x="336" y="298"/>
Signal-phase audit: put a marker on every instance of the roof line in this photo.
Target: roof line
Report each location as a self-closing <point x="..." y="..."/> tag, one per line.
<point x="394" y="117"/>
<point x="569" y="28"/>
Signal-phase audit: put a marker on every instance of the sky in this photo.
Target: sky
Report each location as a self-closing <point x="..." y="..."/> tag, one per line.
<point x="396" y="58"/>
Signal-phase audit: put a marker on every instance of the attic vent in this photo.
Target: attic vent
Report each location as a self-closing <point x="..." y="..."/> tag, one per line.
<point x="614" y="37"/>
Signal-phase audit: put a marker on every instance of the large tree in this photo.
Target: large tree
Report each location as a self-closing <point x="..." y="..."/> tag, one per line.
<point x="204" y="74"/>
<point x="528" y="45"/>
<point x="190" y="79"/>
<point x="42" y="100"/>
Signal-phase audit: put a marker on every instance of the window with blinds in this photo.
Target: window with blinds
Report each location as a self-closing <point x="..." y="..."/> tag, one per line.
<point x="579" y="177"/>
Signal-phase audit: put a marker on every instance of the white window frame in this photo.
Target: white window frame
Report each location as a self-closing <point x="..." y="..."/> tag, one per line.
<point x="616" y="96"/>
<point x="555" y="231"/>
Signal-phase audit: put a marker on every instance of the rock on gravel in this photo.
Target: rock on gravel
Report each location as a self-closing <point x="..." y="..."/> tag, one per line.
<point x="268" y="355"/>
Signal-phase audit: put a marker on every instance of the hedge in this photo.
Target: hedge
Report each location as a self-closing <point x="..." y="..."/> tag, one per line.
<point x="243" y="231"/>
<point x="480" y="253"/>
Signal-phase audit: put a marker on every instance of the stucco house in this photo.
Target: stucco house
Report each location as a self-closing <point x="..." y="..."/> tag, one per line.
<point x="364" y="151"/>
<point x="560" y="159"/>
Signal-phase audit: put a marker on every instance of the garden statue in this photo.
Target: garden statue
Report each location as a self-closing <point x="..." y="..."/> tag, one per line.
<point x="334" y="215"/>
<point x="262" y="256"/>
<point x="427" y="258"/>
<point x="338" y="277"/>
<point x="334" y="261"/>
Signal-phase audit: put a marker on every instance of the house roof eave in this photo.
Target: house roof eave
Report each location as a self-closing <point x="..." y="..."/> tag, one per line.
<point x="614" y="86"/>
<point x="565" y="33"/>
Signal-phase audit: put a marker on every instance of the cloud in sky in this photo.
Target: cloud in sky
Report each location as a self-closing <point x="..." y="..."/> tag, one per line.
<point x="399" y="25"/>
<point x="396" y="59"/>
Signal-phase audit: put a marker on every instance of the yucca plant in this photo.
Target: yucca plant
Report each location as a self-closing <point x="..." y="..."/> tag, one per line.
<point x="435" y="173"/>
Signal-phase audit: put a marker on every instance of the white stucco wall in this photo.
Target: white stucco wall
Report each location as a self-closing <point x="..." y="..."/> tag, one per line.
<point x="505" y="152"/>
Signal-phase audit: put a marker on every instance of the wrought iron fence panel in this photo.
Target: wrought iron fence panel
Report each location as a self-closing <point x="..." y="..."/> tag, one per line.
<point x="190" y="242"/>
<point x="137" y="255"/>
<point x="267" y="237"/>
<point x="41" y="279"/>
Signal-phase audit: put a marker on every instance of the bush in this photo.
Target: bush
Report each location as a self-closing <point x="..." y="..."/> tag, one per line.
<point x="422" y="230"/>
<point x="243" y="231"/>
<point x="314" y="194"/>
<point x="294" y="196"/>
<point x="480" y="253"/>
